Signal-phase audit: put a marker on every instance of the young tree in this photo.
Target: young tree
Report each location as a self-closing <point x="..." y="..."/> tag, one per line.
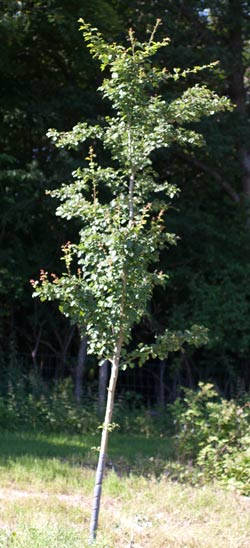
<point x="114" y="272"/>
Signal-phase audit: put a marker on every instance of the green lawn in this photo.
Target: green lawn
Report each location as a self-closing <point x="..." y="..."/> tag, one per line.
<point x="46" y="491"/>
<point x="16" y="444"/>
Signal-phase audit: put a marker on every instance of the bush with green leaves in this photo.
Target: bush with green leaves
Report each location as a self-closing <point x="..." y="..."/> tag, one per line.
<point x="214" y="434"/>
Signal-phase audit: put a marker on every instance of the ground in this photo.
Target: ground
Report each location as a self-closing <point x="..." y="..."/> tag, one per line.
<point x="45" y="502"/>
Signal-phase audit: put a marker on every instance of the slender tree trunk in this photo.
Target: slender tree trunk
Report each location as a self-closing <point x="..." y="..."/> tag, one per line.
<point x="35" y="349"/>
<point x="108" y="417"/>
<point x="64" y="343"/>
<point x="245" y="161"/>
<point x="131" y="198"/>
<point x="161" y="394"/>
<point x="187" y="366"/>
<point x="237" y="88"/>
<point x="104" y="443"/>
<point x="102" y="388"/>
<point x="80" y="368"/>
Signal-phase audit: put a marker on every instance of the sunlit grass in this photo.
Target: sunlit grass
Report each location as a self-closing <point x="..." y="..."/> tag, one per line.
<point x="60" y="461"/>
<point x="46" y="493"/>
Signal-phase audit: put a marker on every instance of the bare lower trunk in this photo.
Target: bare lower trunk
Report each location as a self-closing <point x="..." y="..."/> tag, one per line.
<point x="108" y="418"/>
<point x="80" y="368"/>
<point x="104" y="445"/>
<point x="102" y="388"/>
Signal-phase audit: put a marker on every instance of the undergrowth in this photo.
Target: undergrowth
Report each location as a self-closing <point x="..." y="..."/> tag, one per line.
<point x="208" y="436"/>
<point x="213" y="435"/>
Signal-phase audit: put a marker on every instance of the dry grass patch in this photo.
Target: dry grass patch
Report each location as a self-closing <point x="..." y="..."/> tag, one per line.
<point x="161" y="514"/>
<point x="46" y="495"/>
<point x="136" y="513"/>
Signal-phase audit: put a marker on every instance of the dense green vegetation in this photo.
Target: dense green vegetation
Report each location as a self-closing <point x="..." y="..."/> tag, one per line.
<point x="48" y="79"/>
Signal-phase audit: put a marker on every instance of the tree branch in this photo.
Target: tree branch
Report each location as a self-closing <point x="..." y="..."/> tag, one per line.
<point x="214" y="173"/>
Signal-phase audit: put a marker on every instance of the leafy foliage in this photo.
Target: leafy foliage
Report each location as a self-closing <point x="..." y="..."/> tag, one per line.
<point x="48" y="79"/>
<point x="121" y="240"/>
<point x="214" y="434"/>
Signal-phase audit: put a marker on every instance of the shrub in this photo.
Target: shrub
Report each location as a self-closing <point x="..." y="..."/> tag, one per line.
<point x="214" y="434"/>
<point x="56" y="410"/>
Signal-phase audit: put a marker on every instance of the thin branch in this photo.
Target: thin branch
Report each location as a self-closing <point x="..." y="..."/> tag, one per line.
<point x="131" y="198"/>
<point x="51" y="347"/>
<point x="38" y="339"/>
<point x="214" y="173"/>
<point x="131" y="179"/>
<point x="158" y="22"/>
<point x="69" y="339"/>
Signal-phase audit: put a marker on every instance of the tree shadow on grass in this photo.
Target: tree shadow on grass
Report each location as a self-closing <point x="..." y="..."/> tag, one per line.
<point x="18" y="444"/>
<point x="136" y="454"/>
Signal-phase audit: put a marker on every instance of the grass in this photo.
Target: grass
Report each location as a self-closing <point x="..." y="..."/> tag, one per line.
<point x="46" y="493"/>
<point x="15" y="445"/>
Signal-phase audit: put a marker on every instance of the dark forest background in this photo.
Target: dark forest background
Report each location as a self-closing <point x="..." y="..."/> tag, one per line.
<point x="48" y="79"/>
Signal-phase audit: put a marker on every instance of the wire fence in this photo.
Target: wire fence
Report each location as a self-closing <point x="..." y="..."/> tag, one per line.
<point x="148" y="384"/>
<point x="155" y="383"/>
